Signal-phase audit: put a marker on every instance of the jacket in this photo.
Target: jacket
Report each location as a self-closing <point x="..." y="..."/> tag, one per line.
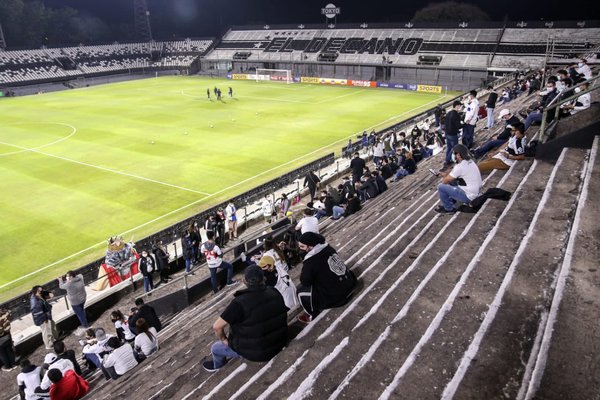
<point x="452" y="123"/>
<point x="41" y="310"/>
<point x="148" y="313"/>
<point x="263" y="332"/>
<point x="147" y="265"/>
<point x="330" y="279"/>
<point x="75" y="288"/>
<point x="70" y="387"/>
<point x="491" y="101"/>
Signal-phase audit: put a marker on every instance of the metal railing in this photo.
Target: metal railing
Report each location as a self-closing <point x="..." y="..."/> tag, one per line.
<point x="558" y="101"/>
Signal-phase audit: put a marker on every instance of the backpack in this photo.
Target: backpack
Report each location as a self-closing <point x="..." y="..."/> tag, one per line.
<point x="531" y="148"/>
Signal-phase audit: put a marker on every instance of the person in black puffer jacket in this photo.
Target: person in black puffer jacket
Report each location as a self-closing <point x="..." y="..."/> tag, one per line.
<point x="325" y="281"/>
<point x="257" y="319"/>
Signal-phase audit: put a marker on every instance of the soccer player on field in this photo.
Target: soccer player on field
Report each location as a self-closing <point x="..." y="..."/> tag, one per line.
<point x="230" y="91"/>
<point x="208" y="93"/>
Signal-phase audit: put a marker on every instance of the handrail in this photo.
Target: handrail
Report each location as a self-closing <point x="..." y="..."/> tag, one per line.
<point x="558" y="101"/>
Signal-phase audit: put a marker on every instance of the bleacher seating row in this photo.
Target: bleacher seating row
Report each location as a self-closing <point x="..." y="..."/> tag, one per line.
<point x="43" y="64"/>
<point x="403" y="46"/>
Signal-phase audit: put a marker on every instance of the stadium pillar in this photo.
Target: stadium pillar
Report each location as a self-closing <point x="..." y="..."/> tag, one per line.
<point x="2" y="40"/>
<point x="142" y="21"/>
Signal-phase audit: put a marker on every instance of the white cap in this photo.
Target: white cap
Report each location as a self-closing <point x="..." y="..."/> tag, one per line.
<point x="50" y="358"/>
<point x="504" y="112"/>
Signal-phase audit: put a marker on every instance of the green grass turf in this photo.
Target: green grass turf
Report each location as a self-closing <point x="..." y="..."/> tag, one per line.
<point x="81" y="165"/>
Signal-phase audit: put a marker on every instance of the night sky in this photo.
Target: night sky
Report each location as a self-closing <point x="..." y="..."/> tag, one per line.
<point x="181" y="18"/>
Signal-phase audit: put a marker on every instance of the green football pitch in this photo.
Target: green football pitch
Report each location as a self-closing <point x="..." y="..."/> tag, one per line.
<point x="134" y="157"/>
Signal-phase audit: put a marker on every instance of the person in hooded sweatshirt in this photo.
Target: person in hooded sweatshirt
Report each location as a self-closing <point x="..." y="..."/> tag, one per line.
<point x="325" y="281"/>
<point x="75" y="287"/>
<point x="28" y="380"/>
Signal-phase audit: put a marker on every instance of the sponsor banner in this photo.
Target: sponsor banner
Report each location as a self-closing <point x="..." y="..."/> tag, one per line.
<point x="333" y="81"/>
<point x="429" y="89"/>
<point x="309" y="79"/>
<point x="411" y="87"/>
<point x="391" y="85"/>
<point x="278" y="78"/>
<point x="254" y="77"/>
<point x="361" y="83"/>
<point x="239" y="76"/>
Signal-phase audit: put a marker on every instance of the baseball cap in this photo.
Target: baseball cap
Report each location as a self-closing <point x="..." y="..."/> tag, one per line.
<point x="50" y="358"/>
<point x="100" y="334"/>
<point x="504" y="112"/>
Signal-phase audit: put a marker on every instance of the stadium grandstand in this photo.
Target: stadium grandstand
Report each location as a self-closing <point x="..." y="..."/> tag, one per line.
<point x="495" y="296"/>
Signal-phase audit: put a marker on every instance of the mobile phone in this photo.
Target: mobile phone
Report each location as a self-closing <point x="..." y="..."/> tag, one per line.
<point x="434" y="172"/>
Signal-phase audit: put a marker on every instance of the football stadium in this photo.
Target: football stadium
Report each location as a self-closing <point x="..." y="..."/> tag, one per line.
<point x="243" y="201"/>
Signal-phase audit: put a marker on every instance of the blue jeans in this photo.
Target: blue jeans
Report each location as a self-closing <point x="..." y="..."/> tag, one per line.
<point x="448" y="193"/>
<point x="148" y="286"/>
<point x="188" y="265"/>
<point x="451" y="141"/>
<point x="531" y="118"/>
<point x="320" y="214"/>
<point x="490" y="117"/>
<point x="338" y="212"/>
<point x="79" y="310"/>
<point x="401" y="173"/>
<point x="93" y="359"/>
<point x="468" y="134"/>
<point x="213" y="275"/>
<point x="220" y="353"/>
<point x="492" y="144"/>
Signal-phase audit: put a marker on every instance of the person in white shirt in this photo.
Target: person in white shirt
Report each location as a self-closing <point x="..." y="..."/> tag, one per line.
<point x="267" y="209"/>
<point x="507" y="155"/>
<point x="583" y="102"/>
<point x="28" y="379"/>
<point x="120" y="360"/>
<point x="471" y="111"/>
<point x="584" y="69"/>
<point x="309" y="223"/>
<point x="378" y="152"/>
<point x="93" y="348"/>
<point x="52" y="361"/>
<point x="449" y="190"/>
<point x="214" y="259"/>
<point x="146" y="342"/>
<point x="230" y="211"/>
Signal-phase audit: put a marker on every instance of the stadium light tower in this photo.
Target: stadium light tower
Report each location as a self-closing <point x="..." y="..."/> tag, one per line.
<point x="2" y="41"/>
<point x="143" y="31"/>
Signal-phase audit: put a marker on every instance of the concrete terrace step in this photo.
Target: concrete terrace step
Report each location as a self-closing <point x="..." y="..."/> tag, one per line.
<point x="567" y="365"/>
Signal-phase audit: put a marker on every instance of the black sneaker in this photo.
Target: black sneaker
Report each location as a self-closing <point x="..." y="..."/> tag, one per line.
<point x="209" y="366"/>
<point x="442" y="210"/>
<point x="233" y="282"/>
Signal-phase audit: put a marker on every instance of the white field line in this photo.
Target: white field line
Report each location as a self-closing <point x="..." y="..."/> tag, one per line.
<point x="305" y="388"/>
<point x="205" y="198"/>
<point x="114" y="171"/>
<point x="563" y="274"/>
<point x="73" y="132"/>
<point x="447" y="306"/>
<point x="253" y="379"/>
<point x="283" y="378"/>
<point x="225" y="381"/>
<point x="327" y="100"/>
<point x="493" y="308"/>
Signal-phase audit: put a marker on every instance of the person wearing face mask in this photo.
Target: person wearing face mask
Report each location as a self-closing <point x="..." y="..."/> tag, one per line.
<point x="471" y="111"/>
<point x="506" y="156"/>
<point x="583" y="102"/>
<point x="449" y="191"/>
<point x="581" y="68"/>
<point x="536" y="116"/>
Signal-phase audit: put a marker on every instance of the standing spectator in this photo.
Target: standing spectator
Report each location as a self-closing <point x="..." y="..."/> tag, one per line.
<point x="146" y="342"/>
<point x="284" y="205"/>
<point x="41" y="311"/>
<point x="232" y="220"/>
<point x="471" y="111"/>
<point x="364" y="140"/>
<point x="28" y="380"/>
<point x="119" y="360"/>
<point x="122" y="326"/>
<point x="453" y="126"/>
<point x="267" y="209"/>
<point x="325" y="281"/>
<point x="220" y="218"/>
<point x="188" y="251"/>
<point x="214" y="259"/>
<point x="147" y="268"/>
<point x="448" y="189"/>
<point x="196" y="239"/>
<point x="312" y="181"/>
<point x="257" y="320"/>
<point x="210" y="224"/>
<point x="358" y="166"/>
<point x="378" y="152"/>
<point x="437" y="114"/>
<point x="75" y="287"/>
<point x="144" y="311"/>
<point x="279" y="279"/>
<point x="490" y="104"/>
<point x="67" y="385"/>
<point x="162" y="260"/>
<point x="308" y="223"/>
<point x="61" y="351"/>
<point x="7" y="352"/>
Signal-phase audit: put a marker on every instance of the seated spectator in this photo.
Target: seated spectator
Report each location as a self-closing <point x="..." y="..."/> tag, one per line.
<point x="352" y="206"/>
<point x="408" y="166"/>
<point x="273" y="249"/>
<point x="319" y="207"/>
<point x="144" y="311"/>
<point x="510" y="120"/>
<point x="214" y="259"/>
<point x="278" y="278"/>
<point x="51" y="361"/>
<point x="334" y="193"/>
<point x="379" y="181"/>
<point x="119" y="360"/>
<point x="348" y="188"/>
<point x="257" y="320"/>
<point x="325" y="281"/>
<point x="581" y="68"/>
<point x="508" y="155"/>
<point x="583" y="102"/>
<point x="28" y="380"/>
<point x="548" y="96"/>
<point x="308" y="223"/>
<point x="146" y="342"/>
<point x="67" y="385"/>
<point x="367" y="188"/>
<point x="65" y="354"/>
<point x="449" y="190"/>
<point x="386" y="170"/>
<point x="122" y="326"/>
<point x="329" y="203"/>
<point x="94" y="348"/>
